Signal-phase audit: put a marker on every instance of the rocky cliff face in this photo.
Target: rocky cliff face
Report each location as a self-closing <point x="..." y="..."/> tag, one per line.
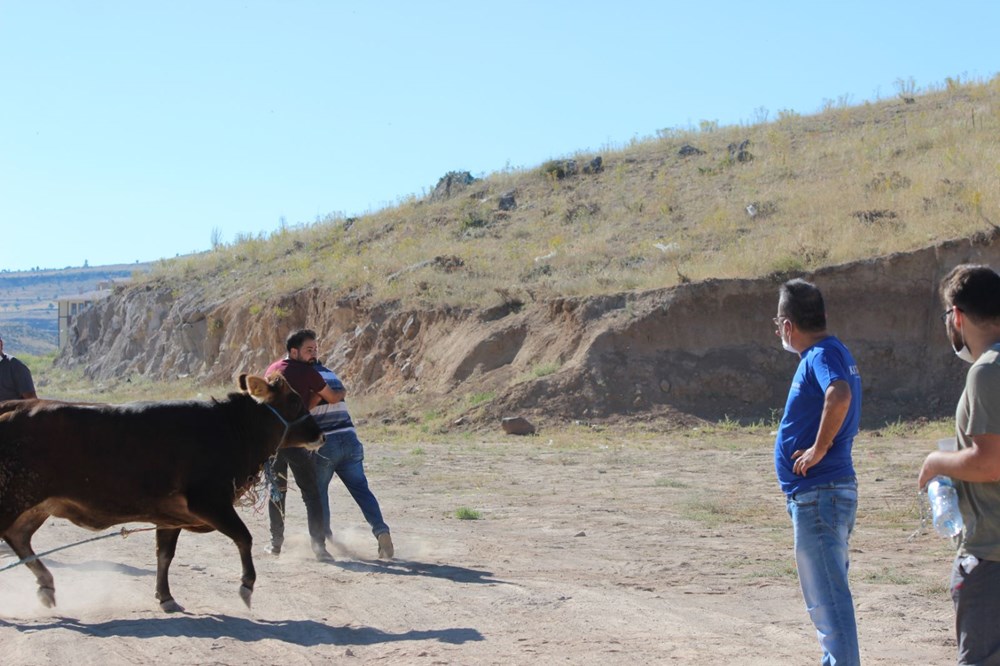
<point x="707" y="348"/>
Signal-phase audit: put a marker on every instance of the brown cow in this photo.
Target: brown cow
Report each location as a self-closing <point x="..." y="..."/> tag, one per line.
<point x="177" y="464"/>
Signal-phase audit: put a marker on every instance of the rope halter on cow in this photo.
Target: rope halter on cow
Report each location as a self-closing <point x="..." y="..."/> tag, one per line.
<point x="288" y="424"/>
<point x="269" y="474"/>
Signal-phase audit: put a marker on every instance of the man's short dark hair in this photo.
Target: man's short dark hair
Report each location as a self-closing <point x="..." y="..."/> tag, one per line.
<point x="974" y="289"/>
<point x="802" y="303"/>
<point x="298" y="338"/>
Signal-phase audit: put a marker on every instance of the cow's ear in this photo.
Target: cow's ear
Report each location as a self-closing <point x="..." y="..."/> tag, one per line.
<point x="242" y="382"/>
<point x="256" y="386"/>
<point x="278" y="382"/>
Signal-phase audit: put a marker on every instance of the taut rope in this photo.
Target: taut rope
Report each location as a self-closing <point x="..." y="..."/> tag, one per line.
<point x="124" y="532"/>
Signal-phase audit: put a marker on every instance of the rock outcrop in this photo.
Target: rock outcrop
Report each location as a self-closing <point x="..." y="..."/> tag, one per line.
<point x="705" y="348"/>
<point x="451" y="184"/>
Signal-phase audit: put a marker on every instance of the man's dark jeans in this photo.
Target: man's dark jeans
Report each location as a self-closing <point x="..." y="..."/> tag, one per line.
<point x="304" y="471"/>
<point x="976" y="594"/>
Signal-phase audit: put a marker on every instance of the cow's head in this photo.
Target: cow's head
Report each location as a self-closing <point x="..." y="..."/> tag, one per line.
<point x="275" y="392"/>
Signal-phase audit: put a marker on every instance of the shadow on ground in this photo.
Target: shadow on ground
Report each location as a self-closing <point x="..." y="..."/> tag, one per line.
<point x="411" y="568"/>
<point x="307" y="633"/>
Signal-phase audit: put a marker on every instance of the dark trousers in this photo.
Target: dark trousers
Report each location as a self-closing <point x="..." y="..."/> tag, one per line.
<point x="977" y="612"/>
<point x="304" y="471"/>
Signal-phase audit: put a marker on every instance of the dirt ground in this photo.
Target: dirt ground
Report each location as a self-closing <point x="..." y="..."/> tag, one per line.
<point x="593" y="546"/>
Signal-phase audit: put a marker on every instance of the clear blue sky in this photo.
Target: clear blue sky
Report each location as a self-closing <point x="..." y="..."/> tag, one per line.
<point x="131" y="129"/>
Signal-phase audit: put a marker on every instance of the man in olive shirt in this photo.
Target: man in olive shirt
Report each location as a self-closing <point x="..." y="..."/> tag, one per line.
<point x="971" y="296"/>
<point x="15" y="378"/>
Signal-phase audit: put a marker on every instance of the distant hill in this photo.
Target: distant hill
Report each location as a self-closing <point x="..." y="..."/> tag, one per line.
<point x="28" y="311"/>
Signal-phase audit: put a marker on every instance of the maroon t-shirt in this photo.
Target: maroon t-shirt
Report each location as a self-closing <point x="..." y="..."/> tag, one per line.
<point x="301" y="376"/>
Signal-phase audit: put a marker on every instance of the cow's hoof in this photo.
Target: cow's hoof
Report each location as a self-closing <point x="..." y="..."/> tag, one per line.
<point x="245" y="594"/>
<point x="47" y="595"/>
<point x="171" y="606"/>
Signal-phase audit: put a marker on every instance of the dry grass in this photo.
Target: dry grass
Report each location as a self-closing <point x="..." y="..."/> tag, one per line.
<point x="56" y="383"/>
<point x="848" y="183"/>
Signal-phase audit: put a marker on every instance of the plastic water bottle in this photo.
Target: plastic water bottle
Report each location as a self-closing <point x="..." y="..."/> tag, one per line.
<point x="944" y="506"/>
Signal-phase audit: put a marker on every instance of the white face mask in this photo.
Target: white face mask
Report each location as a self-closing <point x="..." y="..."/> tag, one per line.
<point x="965" y="354"/>
<point x="787" y="346"/>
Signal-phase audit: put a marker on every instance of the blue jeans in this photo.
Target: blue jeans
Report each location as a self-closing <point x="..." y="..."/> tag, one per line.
<point x="342" y="453"/>
<point x="823" y="519"/>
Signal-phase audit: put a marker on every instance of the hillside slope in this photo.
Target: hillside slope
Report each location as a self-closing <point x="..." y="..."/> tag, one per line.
<point x="705" y="348"/>
<point x="634" y="281"/>
<point x="795" y="194"/>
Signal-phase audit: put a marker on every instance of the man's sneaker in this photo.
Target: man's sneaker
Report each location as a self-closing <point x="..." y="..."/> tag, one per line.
<point x="385" y="549"/>
<point x="321" y="553"/>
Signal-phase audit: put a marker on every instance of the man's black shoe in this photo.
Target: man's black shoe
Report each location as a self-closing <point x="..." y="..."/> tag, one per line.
<point x="321" y="553"/>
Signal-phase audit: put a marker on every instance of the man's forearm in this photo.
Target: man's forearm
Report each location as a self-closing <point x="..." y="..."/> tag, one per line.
<point x="836" y="404"/>
<point x="976" y="464"/>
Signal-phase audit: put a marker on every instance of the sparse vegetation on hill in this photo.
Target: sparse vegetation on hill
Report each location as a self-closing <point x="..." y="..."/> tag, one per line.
<point x="792" y="194"/>
<point x="570" y="276"/>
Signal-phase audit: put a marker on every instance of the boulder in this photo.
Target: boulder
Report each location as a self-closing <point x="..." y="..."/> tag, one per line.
<point x="451" y="184"/>
<point x="507" y="201"/>
<point x="739" y="151"/>
<point x="596" y="165"/>
<point x="517" y="425"/>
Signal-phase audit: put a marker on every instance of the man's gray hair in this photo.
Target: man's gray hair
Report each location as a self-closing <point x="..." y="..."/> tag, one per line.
<point x="802" y="303"/>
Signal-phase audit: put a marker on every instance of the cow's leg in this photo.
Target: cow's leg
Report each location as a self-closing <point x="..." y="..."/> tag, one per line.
<point x="223" y="517"/>
<point x="18" y="537"/>
<point x="166" y="544"/>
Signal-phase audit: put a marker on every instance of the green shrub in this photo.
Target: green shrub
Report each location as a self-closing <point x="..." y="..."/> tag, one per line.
<point x="477" y="399"/>
<point x="787" y="264"/>
<point x="554" y="169"/>
<point x="545" y="369"/>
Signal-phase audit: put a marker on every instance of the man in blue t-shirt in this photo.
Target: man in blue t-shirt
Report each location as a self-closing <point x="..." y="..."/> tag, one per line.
<point x="812" y="456"/>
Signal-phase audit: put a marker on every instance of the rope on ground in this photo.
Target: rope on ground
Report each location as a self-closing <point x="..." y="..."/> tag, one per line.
<point x="123" y="532"/>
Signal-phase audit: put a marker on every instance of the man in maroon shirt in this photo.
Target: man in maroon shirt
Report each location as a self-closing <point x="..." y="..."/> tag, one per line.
<point x="297" y="368"/>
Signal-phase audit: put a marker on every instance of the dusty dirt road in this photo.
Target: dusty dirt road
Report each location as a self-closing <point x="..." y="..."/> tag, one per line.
<point x="594" y="546"/>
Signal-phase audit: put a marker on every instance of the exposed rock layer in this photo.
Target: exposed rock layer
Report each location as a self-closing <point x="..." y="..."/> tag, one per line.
<point x="706" y="348"/>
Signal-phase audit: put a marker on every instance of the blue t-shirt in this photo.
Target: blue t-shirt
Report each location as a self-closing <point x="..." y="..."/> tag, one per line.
<point x="822" y="364"/>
